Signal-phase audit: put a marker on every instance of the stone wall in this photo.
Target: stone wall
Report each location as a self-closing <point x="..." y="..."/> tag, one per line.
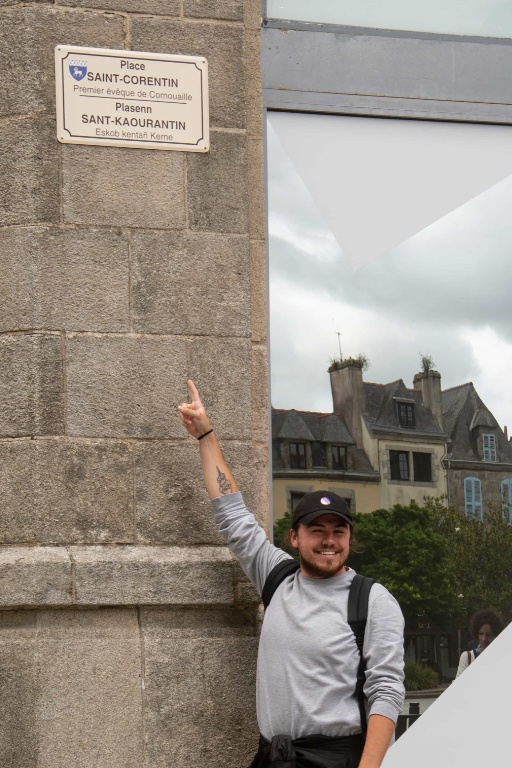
<point x="490" y="477"/>
<point x="127" y="632"/>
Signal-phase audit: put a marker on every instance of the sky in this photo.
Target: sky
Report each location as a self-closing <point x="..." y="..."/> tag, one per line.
<point x="487" y="18"/>
<point x="445" y="291"/>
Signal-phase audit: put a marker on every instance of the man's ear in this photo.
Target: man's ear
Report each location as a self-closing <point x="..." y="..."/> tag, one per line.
<point x="294" y="539"/>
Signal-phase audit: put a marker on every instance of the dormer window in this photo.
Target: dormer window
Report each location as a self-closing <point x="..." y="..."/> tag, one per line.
<point x="406" y="416"/>
<point x="339" y="456"/>
<point x="318" y="457"/>
<point x="298" y="455"/>
<point x="490" y="452"/>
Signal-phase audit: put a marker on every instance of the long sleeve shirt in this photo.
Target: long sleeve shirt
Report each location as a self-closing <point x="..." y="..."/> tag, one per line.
<point x="308" y="658"/>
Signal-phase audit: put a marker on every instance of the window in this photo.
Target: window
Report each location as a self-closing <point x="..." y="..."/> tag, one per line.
<point x="318" y="457"/>
<point x="422" y="466"/>
<point x="295" y="497"/>
<point x="339" y="456"/>
<point x="473" y="498"/>
<point x="506" y="495"/>
<point x="406" y="415"/>
<point x="298" y="455"/>
<point x="489" y="446"/>
<point x="399" y="465"/>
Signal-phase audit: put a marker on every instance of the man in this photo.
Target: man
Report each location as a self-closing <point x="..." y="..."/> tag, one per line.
<point x="307" y="659"/>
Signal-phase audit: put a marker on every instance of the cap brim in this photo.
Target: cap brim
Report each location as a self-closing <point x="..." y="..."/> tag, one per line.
<point x="307" y="519"/>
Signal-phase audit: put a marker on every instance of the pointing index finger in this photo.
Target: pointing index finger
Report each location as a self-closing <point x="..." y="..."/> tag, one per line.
<point x="194" y="394"/>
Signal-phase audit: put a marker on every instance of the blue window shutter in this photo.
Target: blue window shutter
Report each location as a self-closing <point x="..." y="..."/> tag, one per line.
<point x="489" y="446"/>
<point x="506" y="495"/>
<point x="473" y="498"/>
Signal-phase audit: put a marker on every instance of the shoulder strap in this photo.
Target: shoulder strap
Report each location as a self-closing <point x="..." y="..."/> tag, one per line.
<point x="278" y="573"/>
<point x="357" y="615"/>
<point x="469" y="657"/>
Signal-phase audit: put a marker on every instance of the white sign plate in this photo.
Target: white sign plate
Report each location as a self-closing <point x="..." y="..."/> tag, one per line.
<point x="132" y="99"/>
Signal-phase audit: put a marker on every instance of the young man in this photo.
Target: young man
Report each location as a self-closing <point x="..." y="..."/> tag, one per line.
<point x="307" y="709"/>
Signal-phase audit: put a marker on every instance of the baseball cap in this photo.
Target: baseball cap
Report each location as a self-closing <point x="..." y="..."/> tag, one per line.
<point x="317" y="503"/>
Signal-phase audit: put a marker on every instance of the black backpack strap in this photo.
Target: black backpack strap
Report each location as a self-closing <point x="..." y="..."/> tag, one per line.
<point x="356" y="617"/>
<point x="278" y="573"/>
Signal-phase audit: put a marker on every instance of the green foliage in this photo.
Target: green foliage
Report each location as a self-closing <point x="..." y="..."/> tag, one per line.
<point x="427" y="363"/>
<point x="418" y="677"/>
<point x="339" y="362"/>
<point x="481" y="555"/>
<point x="364" y="360"/>
<point x="405" y="551"/>
<point x="281" y="534"/>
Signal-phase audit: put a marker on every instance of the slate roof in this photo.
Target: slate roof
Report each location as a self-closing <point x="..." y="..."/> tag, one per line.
<point x="380" y="407"/>
<point x="463" y="412"/>
<point x="305" y="426"/>
<point x="309" y="425"/>
<point x="291" y="426"/>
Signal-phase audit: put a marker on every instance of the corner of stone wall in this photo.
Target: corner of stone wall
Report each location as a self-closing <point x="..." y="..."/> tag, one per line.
<point x="127" y="632"/>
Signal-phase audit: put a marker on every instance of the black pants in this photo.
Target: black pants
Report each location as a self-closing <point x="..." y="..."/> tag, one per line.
<point x="309" y="752"/>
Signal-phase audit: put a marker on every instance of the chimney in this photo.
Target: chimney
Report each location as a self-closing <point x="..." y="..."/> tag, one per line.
<point x="348" y="395"/>
<point x="429" y="384"/>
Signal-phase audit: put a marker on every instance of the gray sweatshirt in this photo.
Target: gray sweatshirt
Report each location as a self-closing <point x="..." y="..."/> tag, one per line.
<point x="307" y="658"/>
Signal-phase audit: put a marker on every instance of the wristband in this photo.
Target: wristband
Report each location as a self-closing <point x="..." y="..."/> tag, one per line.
<point x="205" y="434"/>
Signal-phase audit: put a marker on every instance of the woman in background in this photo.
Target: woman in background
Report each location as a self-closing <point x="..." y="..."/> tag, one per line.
<point x="484" y="627"/>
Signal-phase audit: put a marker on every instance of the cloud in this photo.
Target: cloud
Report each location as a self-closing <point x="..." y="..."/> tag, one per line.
<point x="304" y="326"/>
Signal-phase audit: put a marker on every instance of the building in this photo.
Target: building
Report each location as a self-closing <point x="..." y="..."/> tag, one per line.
<point x="312" y="451"/>
<point x="398" y="428"/>
<point x="387" y="444"/>
<point x="479" y="458"/>
<point x="382" y="444"/>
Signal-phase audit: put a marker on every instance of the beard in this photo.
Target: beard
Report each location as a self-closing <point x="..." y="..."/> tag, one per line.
<point x="321" y="572"/>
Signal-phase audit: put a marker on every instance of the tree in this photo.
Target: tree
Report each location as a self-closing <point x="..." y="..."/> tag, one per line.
<point x="404" y="549"/>
<point x="481" y="554"/>
<point x="281" y="534"/>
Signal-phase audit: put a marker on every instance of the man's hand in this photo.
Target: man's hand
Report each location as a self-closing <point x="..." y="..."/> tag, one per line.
<point x="193" y="416"/>
<point x="217" y="475"/>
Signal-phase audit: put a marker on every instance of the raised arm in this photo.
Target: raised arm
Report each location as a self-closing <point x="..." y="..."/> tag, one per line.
<point x="237" y="526"/>
<point x="217" y="475"/>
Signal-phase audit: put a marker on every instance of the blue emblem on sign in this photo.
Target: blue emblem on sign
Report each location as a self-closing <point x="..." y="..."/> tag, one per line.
<point x="78" y="69"/>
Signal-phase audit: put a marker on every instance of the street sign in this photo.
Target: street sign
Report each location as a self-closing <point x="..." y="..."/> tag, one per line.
<point x="131" y="99"/>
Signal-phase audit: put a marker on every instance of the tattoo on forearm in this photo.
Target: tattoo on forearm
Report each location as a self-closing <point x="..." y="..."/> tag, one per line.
<point x="224" y="484"/>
